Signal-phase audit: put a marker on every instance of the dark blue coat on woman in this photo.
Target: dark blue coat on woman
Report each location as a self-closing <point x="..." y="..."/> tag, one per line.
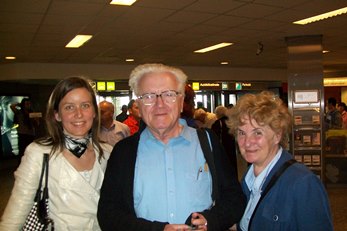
<point x="298" y="201"/>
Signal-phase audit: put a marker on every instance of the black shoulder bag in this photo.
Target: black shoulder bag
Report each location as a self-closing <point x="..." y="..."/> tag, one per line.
<point x="38" y="218"/>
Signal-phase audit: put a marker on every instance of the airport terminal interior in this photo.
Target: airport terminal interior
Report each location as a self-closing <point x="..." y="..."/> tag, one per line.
<point x="264" y="45"/>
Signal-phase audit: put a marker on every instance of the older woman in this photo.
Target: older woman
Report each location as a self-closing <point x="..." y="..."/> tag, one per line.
<point x="76" y="166"/>
<point x="297" y="201"/>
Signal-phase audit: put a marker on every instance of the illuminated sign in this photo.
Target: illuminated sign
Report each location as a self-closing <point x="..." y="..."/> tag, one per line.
<point x="196" y="86"/>
<point x="101" y="86"/>
<point x="217" y="86"/>
<point x="240" y="86"/>
<point x="105" y="86"/>
<point x="209" y="85"/>
<point x="333" y="82"/>
<point x="224" y="86"/>
<point x="111" y="86"/>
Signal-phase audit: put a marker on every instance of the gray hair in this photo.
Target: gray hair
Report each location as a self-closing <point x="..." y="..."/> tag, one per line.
<point x="220" y="111"/>
<point x="144" y="69"/>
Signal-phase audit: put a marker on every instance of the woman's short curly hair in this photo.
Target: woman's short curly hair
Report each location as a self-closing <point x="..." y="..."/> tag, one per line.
<point x="144" y="69"/>
<point x="266" y="109"/>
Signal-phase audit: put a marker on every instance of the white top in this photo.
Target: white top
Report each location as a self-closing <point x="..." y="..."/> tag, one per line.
<point x="73" y="200"/>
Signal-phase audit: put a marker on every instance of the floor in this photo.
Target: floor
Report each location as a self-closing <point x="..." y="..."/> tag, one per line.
<point x="337" y="194"/>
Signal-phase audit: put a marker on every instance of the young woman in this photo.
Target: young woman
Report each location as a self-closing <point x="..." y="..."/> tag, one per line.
<point x="76" y="165"/>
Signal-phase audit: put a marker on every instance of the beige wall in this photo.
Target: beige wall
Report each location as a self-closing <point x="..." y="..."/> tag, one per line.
<point x="21" y="71"/>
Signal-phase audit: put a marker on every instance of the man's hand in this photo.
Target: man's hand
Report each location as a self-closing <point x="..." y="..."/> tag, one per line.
<point x="199" y="222"/>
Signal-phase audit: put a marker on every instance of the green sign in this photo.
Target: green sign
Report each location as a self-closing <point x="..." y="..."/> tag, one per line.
<point x="238" y="86"/>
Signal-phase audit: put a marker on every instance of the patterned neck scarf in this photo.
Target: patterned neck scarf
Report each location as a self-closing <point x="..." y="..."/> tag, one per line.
<point x="77" y="146"/>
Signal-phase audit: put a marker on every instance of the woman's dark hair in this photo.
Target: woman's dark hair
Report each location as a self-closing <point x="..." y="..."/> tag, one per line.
<point x="54" y="128"/>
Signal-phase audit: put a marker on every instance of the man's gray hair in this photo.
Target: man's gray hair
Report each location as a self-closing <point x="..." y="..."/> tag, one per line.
<point x="144" y="69"/>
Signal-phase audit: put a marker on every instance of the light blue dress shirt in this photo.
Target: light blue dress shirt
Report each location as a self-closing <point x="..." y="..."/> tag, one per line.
<point x="255" y="183"/>
<point x="171" y="180"/>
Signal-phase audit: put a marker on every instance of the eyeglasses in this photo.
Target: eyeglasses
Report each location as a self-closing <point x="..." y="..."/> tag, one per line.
<point x="169" y="97"/>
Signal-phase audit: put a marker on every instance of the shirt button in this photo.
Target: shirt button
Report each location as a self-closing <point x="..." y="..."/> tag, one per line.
<point x="171" y="215"/>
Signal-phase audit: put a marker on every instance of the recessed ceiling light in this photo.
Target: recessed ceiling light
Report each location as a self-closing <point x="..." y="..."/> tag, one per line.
<point x="322" y="16"/>
<point x="10" y="57"/>
<point x="130" y="60"/>
<point x="78" y="41"/>
<point x="214" y="47"/>
<point x="122" y="2"/>
<point x="224" y="63"/>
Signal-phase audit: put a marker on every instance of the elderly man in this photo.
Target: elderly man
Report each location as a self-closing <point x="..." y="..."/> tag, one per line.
<point x="160" y="178"/>
<point x="111" y="131"/>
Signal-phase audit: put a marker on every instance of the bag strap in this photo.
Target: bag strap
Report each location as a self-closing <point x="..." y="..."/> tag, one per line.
<point x="46" y="163"/>
<point x="271" y="183"/>
<point x="43" y="169"/>
<point x="207" y="149"/>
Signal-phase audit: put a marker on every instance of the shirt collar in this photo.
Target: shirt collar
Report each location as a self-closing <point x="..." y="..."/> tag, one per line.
<point x="251" y="180"/>
<point x="185" y="134"/>
<point x="113" y="126"/>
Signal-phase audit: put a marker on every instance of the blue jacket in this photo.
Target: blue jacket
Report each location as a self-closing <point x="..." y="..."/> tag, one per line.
<point x="297" y="201"/>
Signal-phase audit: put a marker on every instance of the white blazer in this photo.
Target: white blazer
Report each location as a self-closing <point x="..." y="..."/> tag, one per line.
<point x="73" y="201"/>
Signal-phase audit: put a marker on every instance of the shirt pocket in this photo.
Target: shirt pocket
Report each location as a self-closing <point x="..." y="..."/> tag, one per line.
<point x="200" y="186"/>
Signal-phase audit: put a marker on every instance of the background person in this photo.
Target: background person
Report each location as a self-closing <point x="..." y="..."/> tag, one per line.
<point x="76" y="165"/>
<point x="111" y="131"/>
<point x="123" y="115"/>
<point x="200" y="117"/>
<point x="298" y="200"/>
<point x="133" y="120"/>
<point x="189" y="106"/>
<point x="26" y="125"/>
<point x="159" y="179"/>
<point x="333" y="117"/>
<point x="225" y="137"/>
<point x="204" y="119"/>
<point x="343" y="110"/>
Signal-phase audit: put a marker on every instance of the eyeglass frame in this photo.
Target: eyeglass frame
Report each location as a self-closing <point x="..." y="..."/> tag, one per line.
<point x="177" y="93"/>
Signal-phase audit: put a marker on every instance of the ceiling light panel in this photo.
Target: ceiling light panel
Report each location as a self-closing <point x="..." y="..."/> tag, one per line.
<point x="322" y="16"/>
<point x="214" y="47"/>
<point x="78" y="41"/>
<point x="122" y="2"/>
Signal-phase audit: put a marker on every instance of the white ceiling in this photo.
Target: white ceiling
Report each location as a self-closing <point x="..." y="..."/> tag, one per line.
<point x="167" y="31"/>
